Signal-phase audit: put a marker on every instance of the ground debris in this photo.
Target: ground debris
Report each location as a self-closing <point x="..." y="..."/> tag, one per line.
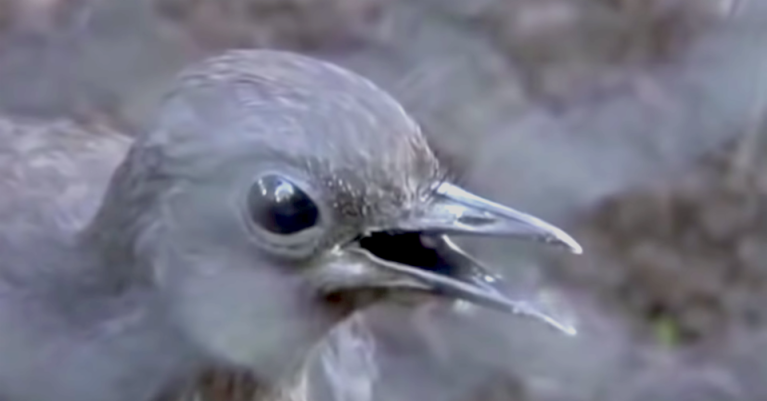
<point x="684" y="259"/>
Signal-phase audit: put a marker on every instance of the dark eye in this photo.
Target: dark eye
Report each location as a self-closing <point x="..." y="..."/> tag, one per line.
<point x="280" y="207"/>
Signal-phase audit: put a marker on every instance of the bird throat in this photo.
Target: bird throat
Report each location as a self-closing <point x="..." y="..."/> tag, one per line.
<point x="344" y="361"/>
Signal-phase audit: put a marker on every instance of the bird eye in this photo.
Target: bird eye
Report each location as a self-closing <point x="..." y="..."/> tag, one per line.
<point x="280" y="207"/>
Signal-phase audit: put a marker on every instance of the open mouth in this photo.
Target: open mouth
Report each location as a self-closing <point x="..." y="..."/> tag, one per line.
<point x="416" y="257"/>
<point x="408" y="248"/>
<point x="405" y="248"/>
<point x="426" y="267"/>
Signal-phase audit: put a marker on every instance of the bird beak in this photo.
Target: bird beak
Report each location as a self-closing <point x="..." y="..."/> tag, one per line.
<point x="457" y="211"/>
<point x="417" y="254"/>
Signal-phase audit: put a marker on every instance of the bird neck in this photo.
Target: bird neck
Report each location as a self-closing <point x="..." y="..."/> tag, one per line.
<point x="342" y="366"/>
<point x="114" y="262"/>
<point x="117" y="334"/>
<point x="136" y="344"/>
<point x="126" y="219"/>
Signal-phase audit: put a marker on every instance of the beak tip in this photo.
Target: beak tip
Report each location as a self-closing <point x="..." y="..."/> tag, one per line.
<point x="566" y="240"/>
<point x="575" y="247"/>
<point x="569" y="331"/>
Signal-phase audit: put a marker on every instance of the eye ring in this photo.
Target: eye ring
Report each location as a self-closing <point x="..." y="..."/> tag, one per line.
<point x="283" y="213"/>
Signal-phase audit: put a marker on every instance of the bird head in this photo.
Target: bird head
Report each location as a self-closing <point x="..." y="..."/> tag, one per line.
<point x="273" y="185"/>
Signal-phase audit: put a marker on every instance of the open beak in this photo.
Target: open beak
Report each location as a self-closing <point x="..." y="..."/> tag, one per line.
<point x="417" y="254"/>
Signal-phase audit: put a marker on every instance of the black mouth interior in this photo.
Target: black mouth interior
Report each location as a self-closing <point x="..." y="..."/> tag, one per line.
<point x="409" y="248"/>
<point x="414" y="249"/>
<point x="404" y="248"/>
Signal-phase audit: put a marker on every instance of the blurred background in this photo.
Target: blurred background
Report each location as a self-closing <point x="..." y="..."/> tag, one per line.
<point x="637" y="125"/>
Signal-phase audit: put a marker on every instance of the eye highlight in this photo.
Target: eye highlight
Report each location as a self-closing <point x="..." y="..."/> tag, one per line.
<point x="280" y="207"/>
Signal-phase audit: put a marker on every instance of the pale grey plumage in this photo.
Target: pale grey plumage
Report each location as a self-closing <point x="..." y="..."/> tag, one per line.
<point x="58" y="310"/>
<point x="172" y="274"/>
